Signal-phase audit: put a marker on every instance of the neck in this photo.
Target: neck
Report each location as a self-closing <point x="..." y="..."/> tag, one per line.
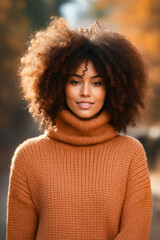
<point x="75" y="131"/>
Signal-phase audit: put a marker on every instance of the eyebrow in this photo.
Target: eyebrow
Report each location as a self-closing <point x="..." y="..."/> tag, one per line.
<point x="79" y="76"/>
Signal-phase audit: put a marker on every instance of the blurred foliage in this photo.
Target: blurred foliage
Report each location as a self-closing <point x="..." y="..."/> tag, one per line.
<point x="13" y="28"/>
<point x="39" y="11"/>
<point x="19" y="19"/>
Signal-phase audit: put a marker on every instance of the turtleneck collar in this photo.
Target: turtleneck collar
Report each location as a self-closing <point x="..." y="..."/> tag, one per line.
<point x="75" y="131"/>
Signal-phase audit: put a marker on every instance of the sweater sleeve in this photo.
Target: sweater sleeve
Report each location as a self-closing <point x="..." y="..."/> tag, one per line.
<point x="21" y="212"/>
<point x="137" y="208"/>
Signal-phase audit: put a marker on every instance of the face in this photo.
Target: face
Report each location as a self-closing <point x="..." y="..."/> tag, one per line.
<point x="85" y="95"/>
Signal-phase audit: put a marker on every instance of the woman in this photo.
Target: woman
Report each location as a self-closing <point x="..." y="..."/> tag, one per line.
<point x="82" y="179"/>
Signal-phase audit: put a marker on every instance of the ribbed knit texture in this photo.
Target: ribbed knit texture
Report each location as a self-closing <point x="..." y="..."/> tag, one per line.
<point x="81" y="180"/>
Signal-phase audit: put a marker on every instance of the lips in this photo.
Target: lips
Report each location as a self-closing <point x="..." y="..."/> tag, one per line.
<point x="84" y="105"/>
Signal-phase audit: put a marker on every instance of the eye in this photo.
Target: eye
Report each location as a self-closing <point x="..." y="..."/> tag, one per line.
<point x="97" y="83"/>
<point x="74" y="82"/>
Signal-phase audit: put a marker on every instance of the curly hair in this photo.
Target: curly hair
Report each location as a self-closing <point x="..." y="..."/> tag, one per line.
<point x="54" y="53"/>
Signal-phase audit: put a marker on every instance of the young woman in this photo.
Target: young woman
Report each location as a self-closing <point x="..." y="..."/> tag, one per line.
<point x="81" y="179"/>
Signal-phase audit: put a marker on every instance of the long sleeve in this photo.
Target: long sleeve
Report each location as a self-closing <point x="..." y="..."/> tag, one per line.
<point x="21" y="212"/>
<point x="137" y="208"/>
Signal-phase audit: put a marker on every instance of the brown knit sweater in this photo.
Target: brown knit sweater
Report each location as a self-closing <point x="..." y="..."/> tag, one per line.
<point x="81" y="180"/>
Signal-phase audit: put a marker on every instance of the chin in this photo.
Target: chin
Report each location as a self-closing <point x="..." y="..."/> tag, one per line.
<point x="87" y="117"/>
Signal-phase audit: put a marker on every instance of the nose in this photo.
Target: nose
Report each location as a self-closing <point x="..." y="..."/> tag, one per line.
<point x="85" y="90"/>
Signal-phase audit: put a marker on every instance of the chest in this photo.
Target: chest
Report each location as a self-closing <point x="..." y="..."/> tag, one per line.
<point x="81" y="177"/>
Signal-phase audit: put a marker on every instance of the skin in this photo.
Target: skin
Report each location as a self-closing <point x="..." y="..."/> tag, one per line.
<point x="85" y="95"/>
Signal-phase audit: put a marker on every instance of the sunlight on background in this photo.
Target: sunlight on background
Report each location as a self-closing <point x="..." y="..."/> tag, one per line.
<point x="77" y="12"/>
<point x="138" y="20"/>
<point x="73" y="10"/>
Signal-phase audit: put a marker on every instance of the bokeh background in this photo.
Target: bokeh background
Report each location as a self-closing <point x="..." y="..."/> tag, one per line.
<point x="139" y="20"/>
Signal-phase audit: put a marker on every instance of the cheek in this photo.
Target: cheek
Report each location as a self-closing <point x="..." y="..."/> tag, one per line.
<point x="70" y="92"/>
<point x="101" y="95"/>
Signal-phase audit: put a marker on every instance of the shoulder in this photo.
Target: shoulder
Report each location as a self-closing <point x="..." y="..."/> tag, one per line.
<point x="136" y="151"/>
<point x="30" y="142"/>
<point x="29" y="151"/>
<point x="136" y="157"/>
<point x="128" y="141"/>
<point x="31" y="147"/>
<point x="130" y="146"/>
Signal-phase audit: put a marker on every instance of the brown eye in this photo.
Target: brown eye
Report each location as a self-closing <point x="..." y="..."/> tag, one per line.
<point x="97" y="83"/>
<point x="74" y="82"/>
